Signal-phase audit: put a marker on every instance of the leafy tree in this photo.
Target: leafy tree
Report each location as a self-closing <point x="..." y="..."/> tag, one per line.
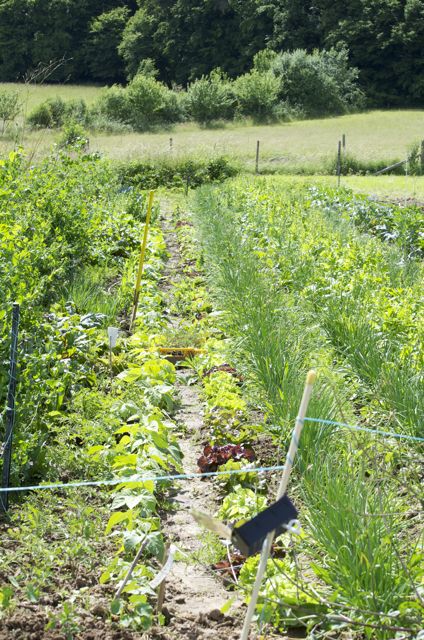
<point x="148" y="102"/>
<point x="384" y="39"/>
<point x="16" y="33"/>
<point x="39" y="31"/>
<point x="189" y="38"/>
<point x="102" y="49"/>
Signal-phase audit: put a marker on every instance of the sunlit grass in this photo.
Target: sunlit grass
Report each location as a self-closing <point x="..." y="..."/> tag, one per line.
<point x="33" y="94"/>
<point x="286" y="147"/>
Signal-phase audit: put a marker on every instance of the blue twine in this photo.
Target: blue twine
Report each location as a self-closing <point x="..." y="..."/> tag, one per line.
<point x="387" y="434"/>
<point x="209" y="474"/>
<point x="115" y="481"/>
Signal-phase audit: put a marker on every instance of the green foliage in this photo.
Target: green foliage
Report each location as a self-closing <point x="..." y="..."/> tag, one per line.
<point x="187" y="40"/>
<point x="146" y="100"/>
<point x="55" y="112"/>
<point x="114" y="104"/>
<point x="362" y="294"/>
<point x="241" y="505"/>
<point x="175" y="173"/>
<point x="64" y="199"/>
<point x="318" y="83"/>
<point x="257" y="95"/>
<point x="10" y="107"/>
<point x="74" y="136"/>
<point x="102" y="48"/>
<point x="210" y="98"/>
<point x="86" y="40"/>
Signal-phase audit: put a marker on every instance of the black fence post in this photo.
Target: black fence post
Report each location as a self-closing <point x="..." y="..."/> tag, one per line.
<point x="10" y="409"/>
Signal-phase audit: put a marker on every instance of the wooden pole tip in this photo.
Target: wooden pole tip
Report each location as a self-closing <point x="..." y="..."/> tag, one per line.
<point x="311" y="377"/>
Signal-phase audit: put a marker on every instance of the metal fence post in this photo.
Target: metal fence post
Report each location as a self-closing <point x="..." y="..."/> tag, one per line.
<point x="10" y="409"/>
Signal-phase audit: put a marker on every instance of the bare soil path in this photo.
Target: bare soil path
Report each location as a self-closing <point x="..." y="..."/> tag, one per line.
<point x="194" y="594"/>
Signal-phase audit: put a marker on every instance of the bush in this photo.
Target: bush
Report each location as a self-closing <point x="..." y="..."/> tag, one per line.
<point x="41" y="116"/>
<point x="10" y="106"/>
<point x="74" y="135"/>
<point x="50" y="113"/>
<point x="148" y="101"/>
<point x="210" y="98"/>
<point x="321" y="83"/>
<point x="171" y="173"/>
<point x="77" y="111"/>
<point x="257" y="95"/>
<point x="114" y="105"/>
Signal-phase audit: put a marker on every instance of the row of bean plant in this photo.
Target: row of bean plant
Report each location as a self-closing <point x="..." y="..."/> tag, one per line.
<point x="69" y="250"/>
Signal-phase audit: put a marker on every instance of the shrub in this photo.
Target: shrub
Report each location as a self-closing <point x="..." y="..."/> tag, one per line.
<point x="77" y="111"/>
<point x="210" y="98"/>
<point x="171" y="173"/>
<point x="114" y="105"/>
<point x="257" y="94"/>
<point x="415" y="166"/>
<point x="50" y="113"/>
<point x="74" y="135"/>
<point x="175" y="106"/>
<point x="10" y="106"/>
<point x="147" y="101"/>
<point x="41" y="116"/>
<point x="263" y="60"/>
<point x="320" y="83"/>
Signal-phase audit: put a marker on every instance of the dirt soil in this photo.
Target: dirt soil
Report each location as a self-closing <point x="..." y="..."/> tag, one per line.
<point x="194" y="593"/>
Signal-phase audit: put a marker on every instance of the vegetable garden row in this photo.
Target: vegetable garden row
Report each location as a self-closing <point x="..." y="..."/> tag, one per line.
<point x="272" y="282"/>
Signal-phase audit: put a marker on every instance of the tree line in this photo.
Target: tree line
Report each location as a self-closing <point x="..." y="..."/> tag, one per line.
<point x="110" y="41"/>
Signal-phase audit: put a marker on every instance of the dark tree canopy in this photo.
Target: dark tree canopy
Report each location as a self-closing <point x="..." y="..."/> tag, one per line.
<point x="102" y="40"/>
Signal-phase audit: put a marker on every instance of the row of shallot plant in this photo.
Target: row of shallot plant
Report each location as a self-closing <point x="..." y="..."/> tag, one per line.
<point x="283" y="273"/>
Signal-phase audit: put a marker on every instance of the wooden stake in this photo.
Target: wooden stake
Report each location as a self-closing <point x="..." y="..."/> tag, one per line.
<point x="339" y="162"/>
<point x="266" y="549"/>
<point x="422" y="156"/>
<point x="257" y="157"/>
<point x="141" y="261"/>
<point x="132" y="567"/>
<point x="344" y="141"/>
<point x="162" y="586"/>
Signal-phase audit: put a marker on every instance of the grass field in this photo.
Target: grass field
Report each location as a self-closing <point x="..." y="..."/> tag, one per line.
<point x="287" y="146"/>
<point x="391" y="187"/>
<point x="292" y="147"/>
<point x="34" y="94"/>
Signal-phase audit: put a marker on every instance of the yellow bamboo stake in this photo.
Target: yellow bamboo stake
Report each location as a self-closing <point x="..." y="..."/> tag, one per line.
<point x="141" y="261"/>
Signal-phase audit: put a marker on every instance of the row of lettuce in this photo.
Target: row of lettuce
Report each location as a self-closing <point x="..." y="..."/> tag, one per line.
<point x="70" y="238"/>
<point x="296" y="285"/>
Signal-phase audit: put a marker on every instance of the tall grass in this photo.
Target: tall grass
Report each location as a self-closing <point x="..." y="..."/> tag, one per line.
<point x="338" y="291"/>
<point x="270" y="331"/>
<point x="90" y="292"/>
<point x="359" y="543"/>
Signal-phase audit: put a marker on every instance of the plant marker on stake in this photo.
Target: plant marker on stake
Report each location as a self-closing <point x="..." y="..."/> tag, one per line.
<point x="294" y="444"/>
<point x="142" y="256"/>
